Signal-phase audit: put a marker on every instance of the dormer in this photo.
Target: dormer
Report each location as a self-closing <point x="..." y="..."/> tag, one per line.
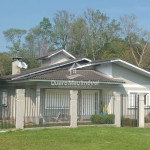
<point x="54" y="57"/>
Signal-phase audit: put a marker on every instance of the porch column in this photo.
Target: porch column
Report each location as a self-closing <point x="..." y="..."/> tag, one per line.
<point x="141" y="110"/>
<point x="117" y="111"/>
<point x="20" y="106"/>
<point x="38" y="91"/>
<point x="73" y="108"/>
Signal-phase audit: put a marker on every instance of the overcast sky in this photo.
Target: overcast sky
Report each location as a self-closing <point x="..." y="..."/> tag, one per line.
<point x="25" y="14"/>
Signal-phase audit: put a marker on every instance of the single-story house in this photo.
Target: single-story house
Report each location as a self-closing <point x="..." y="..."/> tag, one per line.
<point x="60" y="72"/>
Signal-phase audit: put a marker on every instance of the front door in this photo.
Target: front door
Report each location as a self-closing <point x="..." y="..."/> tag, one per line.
<point x="89" y="103"/>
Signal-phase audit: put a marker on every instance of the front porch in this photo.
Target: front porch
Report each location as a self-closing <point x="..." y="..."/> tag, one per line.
<point x="53" y="106"/>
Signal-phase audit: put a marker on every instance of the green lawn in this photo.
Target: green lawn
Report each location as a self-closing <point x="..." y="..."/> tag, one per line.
<point x="82" y="138"/>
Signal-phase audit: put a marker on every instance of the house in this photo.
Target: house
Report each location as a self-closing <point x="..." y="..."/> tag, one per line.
<point x="47" y="88"/>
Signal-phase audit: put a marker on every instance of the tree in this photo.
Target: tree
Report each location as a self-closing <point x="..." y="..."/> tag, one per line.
<point x="137" y="38"/>
<point x="14" y="37"/>
<point x="39" y="39"/>
<point x="77" y="37"/>
<point x="96" y="26"/>
<point x="61" y="30"/>
<point x="5" y="64"/>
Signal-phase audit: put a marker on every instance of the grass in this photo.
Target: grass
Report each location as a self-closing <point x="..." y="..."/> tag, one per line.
<point x="82" y="138"/>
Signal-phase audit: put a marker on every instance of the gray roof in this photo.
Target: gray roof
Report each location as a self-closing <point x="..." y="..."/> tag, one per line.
<point x="64" y="74"/>
<point x="41" y="69"/>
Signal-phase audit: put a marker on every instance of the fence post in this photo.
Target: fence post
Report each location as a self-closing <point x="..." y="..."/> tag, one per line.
<point x="20" y="106"/>
<point x="117" y="111"/>
<point x="73" y="108"/>
<point x="141" y="110"/>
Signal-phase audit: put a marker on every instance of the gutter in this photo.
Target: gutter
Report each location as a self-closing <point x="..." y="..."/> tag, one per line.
<point x="75" y="81"/>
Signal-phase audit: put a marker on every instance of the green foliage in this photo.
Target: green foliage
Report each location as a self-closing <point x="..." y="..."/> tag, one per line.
<point x="61" y="30"/>
<point x="14" y="36"/>
<point x="105" y="119"/>
<point x="127" y="122"/>
<point x="5" y="64"/>
<point x="93" y="35"/>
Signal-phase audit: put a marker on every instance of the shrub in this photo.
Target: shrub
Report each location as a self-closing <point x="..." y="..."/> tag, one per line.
<point x="128" y="122"/>
<point x="100" y="119"/>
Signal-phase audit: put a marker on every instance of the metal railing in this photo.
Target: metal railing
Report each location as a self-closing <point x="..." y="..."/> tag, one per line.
<point x="7" y="113"/>
<point x="52" y="110"/>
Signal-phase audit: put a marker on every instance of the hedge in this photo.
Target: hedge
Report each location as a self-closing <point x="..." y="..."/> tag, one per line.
<point x="107" y="119"/>
<point x="127" y="122"/>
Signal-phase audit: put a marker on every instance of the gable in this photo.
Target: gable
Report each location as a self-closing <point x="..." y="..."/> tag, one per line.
<point x="58" y="58"/>
<point x="129" y="74"/>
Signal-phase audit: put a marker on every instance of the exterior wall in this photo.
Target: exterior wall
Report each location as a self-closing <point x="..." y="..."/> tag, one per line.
<point x="58" y="58"/>
<point x="130" y="76"/>
<point x="105" y="68"/>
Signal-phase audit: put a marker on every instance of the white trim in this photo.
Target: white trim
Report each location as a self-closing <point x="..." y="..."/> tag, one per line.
<point x="69" y="54"/>
<point x="61" y="51"/>
<point x="137" y="91"/>
<point x="135" y="86"/>
<point x="36" y="80"/>
<point x="48" y="68"/>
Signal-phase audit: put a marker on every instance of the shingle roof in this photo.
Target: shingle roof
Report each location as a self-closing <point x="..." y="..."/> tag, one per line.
<point x="64" y="74"/>
<point x="41" y="69"/>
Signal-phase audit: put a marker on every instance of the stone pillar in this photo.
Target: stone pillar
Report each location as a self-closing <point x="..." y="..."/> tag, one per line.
<point x="37" y="110"/>
<point x="117" y="110"/>
<point x="73" y="108"/>
<point x="20" y="106"/>
<point x="141" y="110"/>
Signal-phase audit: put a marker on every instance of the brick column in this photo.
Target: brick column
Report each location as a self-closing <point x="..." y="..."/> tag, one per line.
<point x="20" y="106"/>
<point x="141" y="110"/>
<point x="73" y="108"/>
<point x="117" y="110"/>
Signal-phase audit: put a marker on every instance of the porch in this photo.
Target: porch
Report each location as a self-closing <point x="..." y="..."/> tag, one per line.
<point x="52" y="107"/>
<point x="64" y="107"/>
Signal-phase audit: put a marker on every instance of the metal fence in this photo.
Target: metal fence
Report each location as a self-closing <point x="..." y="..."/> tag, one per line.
<point x="93" y="103"/>
<point x="129" y="110"/>
<point x="7" y="111"/>
<point x="52" y="110"/>
<point x="147" y="109"/>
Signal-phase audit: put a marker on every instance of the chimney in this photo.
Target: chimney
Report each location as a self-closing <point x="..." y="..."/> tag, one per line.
<point x="15" y="67"/>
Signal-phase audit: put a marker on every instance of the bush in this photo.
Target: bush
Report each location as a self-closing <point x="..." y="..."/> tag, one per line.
<point x="128" y="122"/>
<point x="98" y="119"/>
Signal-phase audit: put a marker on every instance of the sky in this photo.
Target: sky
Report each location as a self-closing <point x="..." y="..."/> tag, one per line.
<point x="25" y="14"/>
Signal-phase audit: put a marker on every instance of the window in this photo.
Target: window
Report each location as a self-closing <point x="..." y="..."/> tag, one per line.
<point x="147" y="100"/>
<point x="4" y="98"/>
<point x="133" y="99"/>
<point x="57" y="100"/>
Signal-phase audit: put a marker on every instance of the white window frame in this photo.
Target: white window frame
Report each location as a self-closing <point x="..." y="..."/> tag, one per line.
<point x="4" y="98"/>
<point x="147" y="93"/>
